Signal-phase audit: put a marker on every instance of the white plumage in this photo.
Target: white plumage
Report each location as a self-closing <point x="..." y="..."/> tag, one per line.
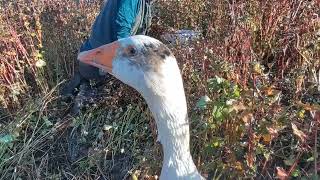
<point x="147" y="65"/>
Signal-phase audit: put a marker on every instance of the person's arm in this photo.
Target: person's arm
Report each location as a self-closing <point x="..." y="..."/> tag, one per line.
<point x="125" y="17"/>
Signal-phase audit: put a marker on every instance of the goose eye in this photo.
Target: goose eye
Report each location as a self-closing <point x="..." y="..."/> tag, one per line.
<point x="132" y="51"/>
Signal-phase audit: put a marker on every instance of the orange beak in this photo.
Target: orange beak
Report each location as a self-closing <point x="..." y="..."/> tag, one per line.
<point x="100" y="57"/>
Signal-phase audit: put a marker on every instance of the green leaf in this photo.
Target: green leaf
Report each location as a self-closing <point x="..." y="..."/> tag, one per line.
<point x="6" y="139"/>
<point x="216" y="84"/>
<point x="236" y="91"/>
<point x="39" y="55"/>
<point x="296" y="173"/>
<point x="219" y="80"/>
<point x="203" y="102"/>
<point x="217" y="114"/>
<point x="216" y="142"/>
<point x="218" y="111"/>
<point x="310" y="159"/>
<point x="47" y="122"/>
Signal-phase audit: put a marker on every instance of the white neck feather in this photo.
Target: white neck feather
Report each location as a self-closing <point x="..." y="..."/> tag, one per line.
<point x="169" y="109"/>
<point x="173" y="134"/>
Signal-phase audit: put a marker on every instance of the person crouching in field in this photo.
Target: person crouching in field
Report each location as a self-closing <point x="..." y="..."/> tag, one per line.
<point x="117" y="19"/>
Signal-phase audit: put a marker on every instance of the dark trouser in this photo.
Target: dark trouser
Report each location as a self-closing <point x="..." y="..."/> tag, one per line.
<point x="83" y="74"/>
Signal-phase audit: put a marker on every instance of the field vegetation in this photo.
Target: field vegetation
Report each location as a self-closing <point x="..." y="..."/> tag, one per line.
<point x="252" y="83"/>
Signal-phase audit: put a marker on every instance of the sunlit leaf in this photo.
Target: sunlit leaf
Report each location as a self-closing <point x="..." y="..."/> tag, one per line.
<point x="39" y="55"/>
<point x="41" y="63"/>
<point x="230" y="102"/>
<point x="134" y="177"/>
<point x="257" y="68"/>
<point x="310" y="159"/>
<point x="298" y="132"/>
<point x="272" y="131"/>
<point x="236" y="92"/>
<point x="267" y="138"/>
<point x="301" y="113"/>
<point x="238" y="165"/>
<point x="281" y="173"/>
<point x="107" y="127"/>
<point x="216" y="144"/>
<point x="26" y="24"/>
<point x="219" y="80"/>
<point x="296" y="173"/>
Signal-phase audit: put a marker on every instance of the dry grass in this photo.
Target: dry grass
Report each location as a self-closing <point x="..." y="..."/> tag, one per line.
<point x="258" y="62"/>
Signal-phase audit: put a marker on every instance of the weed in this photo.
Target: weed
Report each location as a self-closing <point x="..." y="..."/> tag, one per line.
<point x="252" y="83"/>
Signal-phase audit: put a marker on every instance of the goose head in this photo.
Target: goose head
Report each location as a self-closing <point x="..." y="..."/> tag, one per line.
<point x="149" y="66"/>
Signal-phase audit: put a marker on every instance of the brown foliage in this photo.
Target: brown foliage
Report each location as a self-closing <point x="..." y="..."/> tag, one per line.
<point x="270" y="48"/>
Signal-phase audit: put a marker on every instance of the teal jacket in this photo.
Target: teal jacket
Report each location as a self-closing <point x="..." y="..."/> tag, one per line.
<point x="115" y="21"/>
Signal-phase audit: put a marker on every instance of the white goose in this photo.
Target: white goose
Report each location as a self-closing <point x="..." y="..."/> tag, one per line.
<point x="148" y="66"/>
